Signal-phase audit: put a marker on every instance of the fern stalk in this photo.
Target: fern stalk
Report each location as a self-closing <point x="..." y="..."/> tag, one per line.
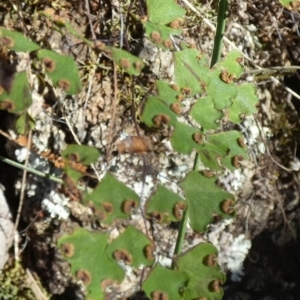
<point x="218" y="42"/>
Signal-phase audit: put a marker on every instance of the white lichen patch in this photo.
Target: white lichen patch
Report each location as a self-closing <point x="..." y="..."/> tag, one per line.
<point x="21" y="154"/>
<point x="164" y="261"/>
<point x="233" y="181"/>
<point x="232" y="250"/>
<point x="295" y="164"/>
<point x="233" y="255"/>
<point x="38" y="188"/>
<point x="255" y="134"/>
<point x="55" y="205"/>
<point x="34" y="160"/>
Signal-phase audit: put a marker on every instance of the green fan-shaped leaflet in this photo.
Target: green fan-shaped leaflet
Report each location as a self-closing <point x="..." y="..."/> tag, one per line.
<point x="154" y="107"/>
<point x="160" y="13"/>
<point x="244" y="103"/>
<point x="166" y="281"/>
<point x="83" y="154"/>
<point x="205" y="113"/>
<point x="219" y="149"/>
<point x="182" y="138"/>
<point x="201" y="275"/>
<point x="164" y="202"/>
<point x="161" y="104"/>
<point x="24" y="123"/>
<point x="86" y="251"/>
<point x="133" y="243"/>
<point x="130" y="63"/>
<point x="232" y="63"/>
<point x="16" y="41"/>
<point x="18" y="96"/>
<point x="204" y="199"/>
<point x="159" y="34"/>
<point x="165" y="91"/>
<point x="71" y="176"/>
<point x="191" y="71"/>
<point x="221" y="93"/>
<point x="239" y="99"/>
<point x="216" y="150"/>
<point x="163" y="11"/>
<point x="61" y="70"/>
<point x="229" y="140"/>
<point x="112" y="199"/>
<point x="287" y="2"/>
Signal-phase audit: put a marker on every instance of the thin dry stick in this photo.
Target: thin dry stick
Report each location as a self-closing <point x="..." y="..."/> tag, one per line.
<point x="113" y="116"/>
<point x="91" y="75"/>
<point x="22" y="193"/>
<point x="87" y="7"/>
<point x="282" y="167"/>
<point x="213" y="28"/>
<point x="294" y="234"/>
<point x="16" y="7"/>
<point x="72" y="131"/>
<point x="36" y="290"/>
<point x="248" y="213"/>
<point x="122" y="28"/>
<point x="77" y="140"/>
<point x="263" y="137"/>
<point x="144" y="164"/>
<point x="114" y="104"/>
<point x="6" y="135"/>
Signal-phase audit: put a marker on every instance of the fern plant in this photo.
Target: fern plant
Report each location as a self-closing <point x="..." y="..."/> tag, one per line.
<point x="195" y="273"/>
<point x="218" y="97"/>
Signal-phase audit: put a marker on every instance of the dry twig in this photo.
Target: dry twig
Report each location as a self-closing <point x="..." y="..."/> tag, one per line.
<point x="22" y="195"/>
